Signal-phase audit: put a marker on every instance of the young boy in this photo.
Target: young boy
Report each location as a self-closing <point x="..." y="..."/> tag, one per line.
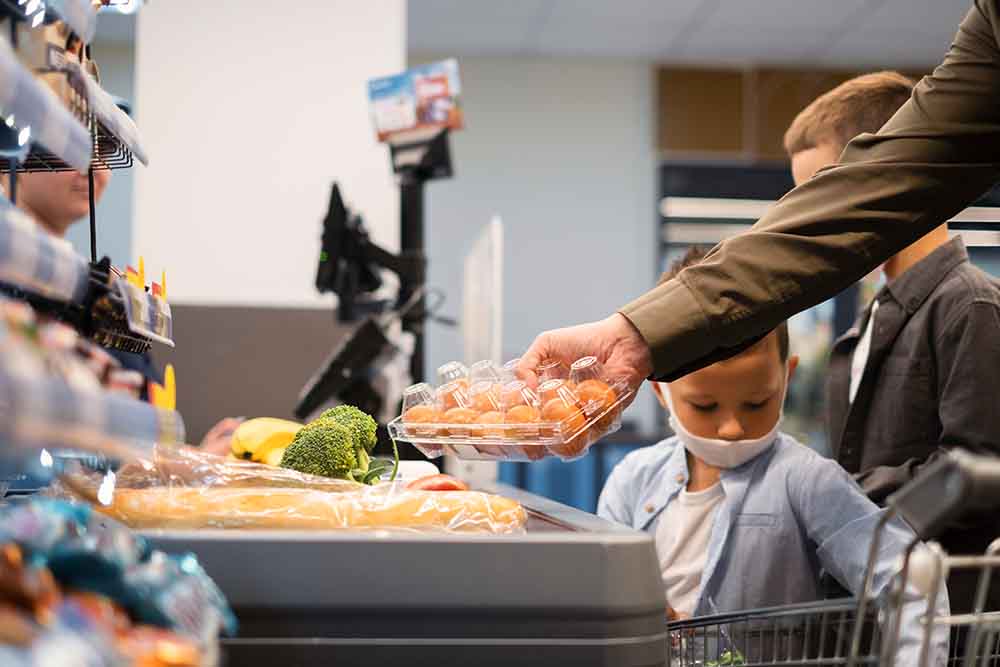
<point x="742" y="515"/>
<point x="917" y="372"/>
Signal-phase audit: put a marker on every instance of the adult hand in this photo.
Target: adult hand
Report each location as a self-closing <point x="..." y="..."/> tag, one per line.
<point x="614" y="341"/>
<point x="219" y="437"/>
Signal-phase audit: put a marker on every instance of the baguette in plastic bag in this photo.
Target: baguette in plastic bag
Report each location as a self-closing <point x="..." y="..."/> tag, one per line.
<point x="184" y="488"/>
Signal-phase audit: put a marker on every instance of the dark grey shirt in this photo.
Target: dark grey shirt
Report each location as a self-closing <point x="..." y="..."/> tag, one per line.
<point x="931" y="382"/>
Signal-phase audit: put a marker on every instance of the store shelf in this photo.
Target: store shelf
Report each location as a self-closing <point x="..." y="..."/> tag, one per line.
<point x="44" y="102"/>
<point x="35" y="110"/>
<point x="51" y="397"/>
<point x="114" y="136"/>
<point x="47" y="267"/>
<point x="116" y="123"/>
<point x="44" y="411"/>
<point x="80" y="15"/>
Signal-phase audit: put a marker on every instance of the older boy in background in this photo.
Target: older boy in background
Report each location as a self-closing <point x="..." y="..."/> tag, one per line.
<point x="916" y="374"/>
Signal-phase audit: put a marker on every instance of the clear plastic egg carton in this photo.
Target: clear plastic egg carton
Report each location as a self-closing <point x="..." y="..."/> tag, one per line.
<point x="484" y="412"/>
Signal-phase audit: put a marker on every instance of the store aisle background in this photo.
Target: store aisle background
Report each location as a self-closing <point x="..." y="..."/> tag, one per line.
<point x="248" y="121"/>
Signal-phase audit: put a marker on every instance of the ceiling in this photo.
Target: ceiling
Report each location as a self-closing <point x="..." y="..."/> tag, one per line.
<point x="834" y="33"/>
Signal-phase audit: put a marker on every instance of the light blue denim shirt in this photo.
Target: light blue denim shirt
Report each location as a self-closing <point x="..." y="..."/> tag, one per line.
<point x="787" y="514"/>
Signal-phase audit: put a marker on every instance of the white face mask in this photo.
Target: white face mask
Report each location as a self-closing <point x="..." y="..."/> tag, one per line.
<point x="724" y="453"/>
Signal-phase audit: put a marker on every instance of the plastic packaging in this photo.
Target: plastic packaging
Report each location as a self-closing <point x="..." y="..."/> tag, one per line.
<point x="451" y="372"/>
<point x="483" y="371"/>
<point x="173" y="591"/>
<point x="73" y="582"/>
<point x="184" y="488"/>
<point x="74" y="628"/>
<point x="551" y="369"/>
<point x="508" y="372"/>
<point x="482" y="413"/>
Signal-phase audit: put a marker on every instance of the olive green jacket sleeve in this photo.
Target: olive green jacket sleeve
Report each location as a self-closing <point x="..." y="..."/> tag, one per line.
<point x="937" y="154"/>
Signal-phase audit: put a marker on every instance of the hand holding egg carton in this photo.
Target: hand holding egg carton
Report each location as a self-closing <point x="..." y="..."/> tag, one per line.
<point x="486" y="412"/>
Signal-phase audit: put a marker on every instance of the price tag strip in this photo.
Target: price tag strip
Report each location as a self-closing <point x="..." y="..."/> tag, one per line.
<point x="147" y="315"/>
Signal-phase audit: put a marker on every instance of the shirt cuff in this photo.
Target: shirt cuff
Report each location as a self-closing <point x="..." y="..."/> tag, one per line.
<point x="673" y="325"/>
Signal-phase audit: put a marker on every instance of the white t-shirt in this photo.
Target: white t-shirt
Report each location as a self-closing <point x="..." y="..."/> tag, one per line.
<point x="682" y="544"/>
<point x="860" y="357"/>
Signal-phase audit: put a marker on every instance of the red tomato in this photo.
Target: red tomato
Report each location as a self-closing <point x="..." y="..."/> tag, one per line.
<point x="438" y="483"/>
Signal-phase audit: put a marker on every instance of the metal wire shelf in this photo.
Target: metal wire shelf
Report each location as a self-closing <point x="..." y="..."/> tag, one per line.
<point x="109" y="153"/>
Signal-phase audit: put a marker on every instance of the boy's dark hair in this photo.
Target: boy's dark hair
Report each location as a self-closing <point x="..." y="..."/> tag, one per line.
<point x="862" y="104"/>
<point x="694" y="255"/>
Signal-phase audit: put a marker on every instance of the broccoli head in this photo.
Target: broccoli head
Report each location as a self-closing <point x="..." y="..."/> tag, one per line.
<point x="338" y="444"/>
<point x="360" y="424"/>
<point x="323" y="447"/>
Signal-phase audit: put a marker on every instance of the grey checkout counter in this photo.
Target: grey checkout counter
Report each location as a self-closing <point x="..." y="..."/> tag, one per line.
<point x="573" y="590"/>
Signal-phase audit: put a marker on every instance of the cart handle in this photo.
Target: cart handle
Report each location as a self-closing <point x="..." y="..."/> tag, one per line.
<point x="956" y="483"/>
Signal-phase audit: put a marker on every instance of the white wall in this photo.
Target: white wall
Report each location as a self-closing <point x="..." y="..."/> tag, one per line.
<point x="250" y="111"/>
<point x="114" y="211"/>
<point x="563" y="150"/>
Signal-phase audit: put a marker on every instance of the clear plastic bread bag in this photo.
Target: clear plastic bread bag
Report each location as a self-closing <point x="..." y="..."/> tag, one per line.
<point x="179" y="487"/>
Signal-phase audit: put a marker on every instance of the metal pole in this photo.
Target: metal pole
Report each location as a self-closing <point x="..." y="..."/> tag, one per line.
<point x="411" y="241"/>
<point x="13" y="180"/>
<point x="852" y="658"/>
<point x="93" y="216"/>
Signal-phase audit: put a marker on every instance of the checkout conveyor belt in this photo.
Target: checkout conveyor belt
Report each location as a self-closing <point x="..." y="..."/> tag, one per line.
<point x="573" y="590"/>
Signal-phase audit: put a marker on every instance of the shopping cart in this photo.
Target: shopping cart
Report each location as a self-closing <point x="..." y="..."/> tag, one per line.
<point x="867" y="630"/>
<point x="803" y="634"/>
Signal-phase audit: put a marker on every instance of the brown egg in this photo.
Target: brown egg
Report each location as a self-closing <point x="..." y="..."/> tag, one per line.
<point x="595" y="391"/>
<point x="525" y="414"/>
<point x="423" y="414"/>
<point x="485" y="401"/>
<point x="598" y="397"/>
<point x="454" y="395"/>
<point x="512" y="399"/>
<point x="491" y="417"/>
<point x="459" y="416"/>
<point x="570" y="416"/>
<point x="573" y="447"/>
<point x="572" y="421"/>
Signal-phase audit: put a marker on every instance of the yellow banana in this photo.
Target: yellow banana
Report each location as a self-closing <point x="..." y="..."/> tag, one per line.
<point x="273" y="457"/>
<point x="254" y="439"/>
